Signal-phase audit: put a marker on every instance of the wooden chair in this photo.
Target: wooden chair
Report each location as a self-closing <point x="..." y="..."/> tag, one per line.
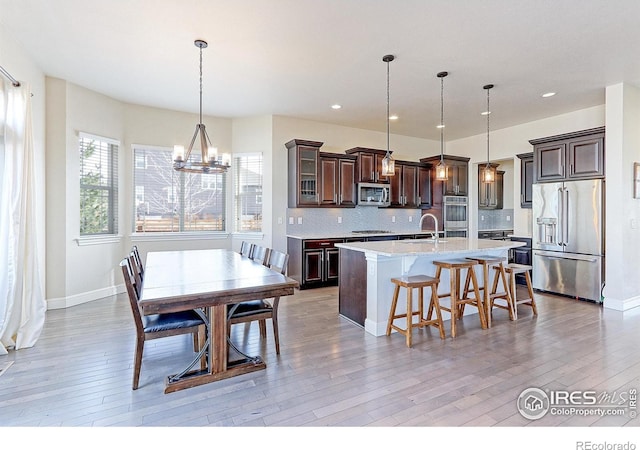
<point x="158" y="325"/>
<point x="136" y="253"/>
<point x="261" y="310"/>
<point x="246" y="249"/>
<point x="260" y="254"/>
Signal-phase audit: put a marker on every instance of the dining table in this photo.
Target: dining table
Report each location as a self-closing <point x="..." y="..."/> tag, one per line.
<point x="207" y="281"/>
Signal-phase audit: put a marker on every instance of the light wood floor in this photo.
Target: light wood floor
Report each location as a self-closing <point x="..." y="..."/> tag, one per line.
<point x="330" y="372"/>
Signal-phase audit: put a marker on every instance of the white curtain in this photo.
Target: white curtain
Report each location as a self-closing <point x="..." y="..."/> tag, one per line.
<point x="22" y="303"/>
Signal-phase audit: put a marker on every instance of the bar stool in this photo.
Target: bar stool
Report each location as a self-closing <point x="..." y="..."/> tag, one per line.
<point x="489" y="296"/>
<point x="512" y="270"/>
<point x="415" y="282"/>
<point x="455" y="267"/>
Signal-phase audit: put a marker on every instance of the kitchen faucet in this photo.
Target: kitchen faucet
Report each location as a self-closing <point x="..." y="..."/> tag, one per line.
<point x="435" y="220"/>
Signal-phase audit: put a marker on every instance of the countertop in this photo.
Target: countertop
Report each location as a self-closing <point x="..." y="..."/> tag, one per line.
<point x="445" y="246"/>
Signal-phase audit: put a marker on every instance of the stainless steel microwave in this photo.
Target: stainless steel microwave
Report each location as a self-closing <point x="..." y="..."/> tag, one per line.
<point x="373" y="194"/>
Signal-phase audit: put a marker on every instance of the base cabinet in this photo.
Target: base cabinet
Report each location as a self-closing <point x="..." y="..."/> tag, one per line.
<point x="521" y="255"/>
<point x="314" y="263"/>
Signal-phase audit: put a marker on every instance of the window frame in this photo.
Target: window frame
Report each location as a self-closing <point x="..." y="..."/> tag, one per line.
<point x="142" y="235"/>
<point x="113" y="147"/>
<point x="236" y="194"/>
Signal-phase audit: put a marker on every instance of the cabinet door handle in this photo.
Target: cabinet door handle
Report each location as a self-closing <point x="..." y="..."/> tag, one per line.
<point x="373" y="176"/>
<point x="325" y="243"/>
<point x="340" y="198"/>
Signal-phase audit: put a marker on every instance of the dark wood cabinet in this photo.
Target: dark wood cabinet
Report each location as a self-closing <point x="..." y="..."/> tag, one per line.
<point x="571" y="156"/>
<point x="319" y="179"/>
<point x="368" y="164"/>
<point x="337" y="180"/>
<point x="424" y="185"/>
<point x="526" y="179"/>
<point x="490" y="195"/>
<point x="458" y="174"/>
<point x="352" y="291"/>
<point x="404" y="185"/>
<point x="303" y="172"/>
<point x="521" y="255"/>
<point x="313" y="262"/>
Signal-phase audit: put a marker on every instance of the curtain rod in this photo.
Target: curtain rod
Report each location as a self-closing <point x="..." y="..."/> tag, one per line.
<point x="15" y="82"/>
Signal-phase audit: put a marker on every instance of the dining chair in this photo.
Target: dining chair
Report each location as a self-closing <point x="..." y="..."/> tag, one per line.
<point x="260" y="254"/>
<point x="261" y="310"/>
<point x="159" y="325"/>
<point x="137" y="271"/>
<point x="246" y="249"/>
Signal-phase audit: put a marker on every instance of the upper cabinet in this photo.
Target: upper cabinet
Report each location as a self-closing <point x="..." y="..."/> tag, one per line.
<point x="424" y="186"/>
<point x="526" y="179"/>
<point x="458" y="179"/>
<point x="490" y="195"/>
<point x="303" y="173"/>
<point x="319" y="179"/>
<point x="337" y="180"/>
<point x="368" y="164"/>
<point x="404" y="185"/>
<point x="570" y="156"/>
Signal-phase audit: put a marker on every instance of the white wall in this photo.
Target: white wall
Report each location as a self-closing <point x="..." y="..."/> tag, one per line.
<point x="622" y="149"/>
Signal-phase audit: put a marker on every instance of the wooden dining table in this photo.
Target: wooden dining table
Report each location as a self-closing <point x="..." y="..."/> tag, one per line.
<point x="207" y="281"/>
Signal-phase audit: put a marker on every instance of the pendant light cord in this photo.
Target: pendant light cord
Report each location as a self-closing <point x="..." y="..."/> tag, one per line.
<point x="441" y="118"/>
<point x="488" y="114"/>
<point x="200" y="84"/>
<point x="388" y="127"/>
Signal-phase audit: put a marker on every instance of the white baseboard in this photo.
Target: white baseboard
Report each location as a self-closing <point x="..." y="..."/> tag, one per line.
<point x="621" y="305"/>
<point x="85" y="297"/>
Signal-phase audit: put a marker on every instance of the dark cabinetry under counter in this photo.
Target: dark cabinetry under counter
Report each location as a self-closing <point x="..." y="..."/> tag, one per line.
<point x="521" y="255"/>
<point x="313" y="262"/>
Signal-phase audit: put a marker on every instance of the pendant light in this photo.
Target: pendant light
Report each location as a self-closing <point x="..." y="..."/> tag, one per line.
<point x="388" y="164"/>
<point x="442" y="172"/>
<point x="489" y="175"/>
<point x="210" y="161"/>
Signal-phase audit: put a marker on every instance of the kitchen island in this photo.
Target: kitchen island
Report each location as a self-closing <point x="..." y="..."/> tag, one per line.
<point x="366" y="268"/>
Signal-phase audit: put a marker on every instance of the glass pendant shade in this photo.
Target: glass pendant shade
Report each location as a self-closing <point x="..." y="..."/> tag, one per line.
<point x="489" y="174"/>
<point x="388" y="166"/>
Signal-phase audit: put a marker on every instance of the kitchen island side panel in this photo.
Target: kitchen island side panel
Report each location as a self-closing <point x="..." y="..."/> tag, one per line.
<point x="352" y="291"/>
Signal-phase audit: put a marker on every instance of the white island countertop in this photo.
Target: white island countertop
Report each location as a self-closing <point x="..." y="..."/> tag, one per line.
<point x="415" y="247"/>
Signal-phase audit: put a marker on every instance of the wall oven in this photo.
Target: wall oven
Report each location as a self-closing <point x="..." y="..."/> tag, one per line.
<point x="455" y="215"/>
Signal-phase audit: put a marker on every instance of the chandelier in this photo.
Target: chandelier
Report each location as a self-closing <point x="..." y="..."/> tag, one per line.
<point x="388" y="164"/>
<point x="210" y="161"/>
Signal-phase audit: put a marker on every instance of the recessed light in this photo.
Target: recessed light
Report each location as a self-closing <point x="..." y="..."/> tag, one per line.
<point x="439" y="126"/>
<point x="393" y="117"/>
<point x="548" y="94"/>
<point x="485" y="113"/>
<point x="336" y="106"/>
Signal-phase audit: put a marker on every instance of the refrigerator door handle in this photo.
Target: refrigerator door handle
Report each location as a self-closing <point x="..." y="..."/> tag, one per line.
<point x="550" y="255"/>
<point x="560" y="231"/>
<point x="565" y="219"/>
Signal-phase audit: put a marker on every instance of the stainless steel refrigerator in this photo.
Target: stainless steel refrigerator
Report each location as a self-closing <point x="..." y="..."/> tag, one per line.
<point x="568" y="238"/>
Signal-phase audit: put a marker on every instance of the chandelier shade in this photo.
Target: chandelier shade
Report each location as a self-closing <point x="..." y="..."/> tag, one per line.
<point x="388" y="164"/>
<point x="210" y="161"/>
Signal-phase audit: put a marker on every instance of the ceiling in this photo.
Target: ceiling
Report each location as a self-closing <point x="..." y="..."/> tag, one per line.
<point x="298" y="57"/>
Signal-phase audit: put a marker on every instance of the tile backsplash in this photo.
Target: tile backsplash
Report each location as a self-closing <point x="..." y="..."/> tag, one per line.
<point x="335" y="220"/>
<point x="495" y="219"/>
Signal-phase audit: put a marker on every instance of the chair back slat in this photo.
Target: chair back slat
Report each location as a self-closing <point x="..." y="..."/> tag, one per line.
<point x="278" y="261"/>
<point x="136" y="253"/>
<point x="132" y="291"/>
<point x="260" y="254"/>
<point x="246" y="249"/>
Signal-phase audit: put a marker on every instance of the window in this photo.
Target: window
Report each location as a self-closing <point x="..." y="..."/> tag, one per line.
<point x="248" y="192"/>
<point x="98" y="185"/>
<point x="168" y="201"/>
